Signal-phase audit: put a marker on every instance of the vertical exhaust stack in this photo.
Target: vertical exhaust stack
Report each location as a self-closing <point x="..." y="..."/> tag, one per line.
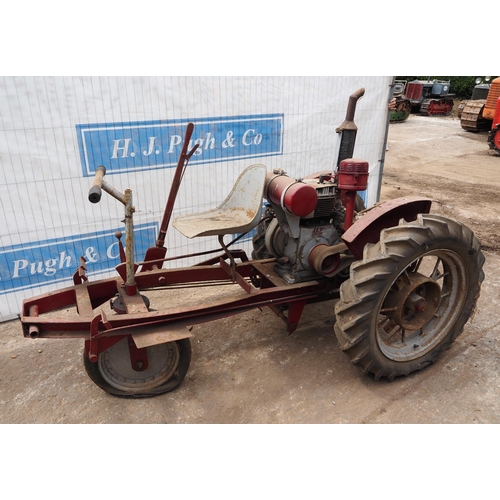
<point x="348" y="129"/>
<point x="352" y="173"/>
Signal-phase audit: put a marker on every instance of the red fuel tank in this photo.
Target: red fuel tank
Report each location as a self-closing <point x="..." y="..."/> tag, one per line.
<point x="297" y="198"/>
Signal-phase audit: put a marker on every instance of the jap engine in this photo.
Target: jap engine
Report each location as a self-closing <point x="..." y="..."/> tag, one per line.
<point x="307" y="217"/>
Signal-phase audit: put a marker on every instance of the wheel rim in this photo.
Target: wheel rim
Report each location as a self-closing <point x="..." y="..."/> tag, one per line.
<point x="422" y="305"/>
<point x="116" y="369"/>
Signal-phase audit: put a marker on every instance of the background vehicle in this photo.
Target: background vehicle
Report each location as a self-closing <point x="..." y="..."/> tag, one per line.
<point x="403" y="105"/>
<point x="482" y="112"/>
<point x="430" y="98"/>
<point x="470" y="111"/>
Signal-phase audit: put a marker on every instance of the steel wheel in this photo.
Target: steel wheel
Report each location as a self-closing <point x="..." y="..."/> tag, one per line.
<point x="410" y="296"/>
<point x="421" y="306"/>
<point x="158" y="369"/>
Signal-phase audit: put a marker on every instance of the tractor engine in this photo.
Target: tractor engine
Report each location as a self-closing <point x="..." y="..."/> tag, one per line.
<point x="310" y="215"/>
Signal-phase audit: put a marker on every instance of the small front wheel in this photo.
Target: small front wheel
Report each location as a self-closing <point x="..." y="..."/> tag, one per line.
<point x="154" y="370"/>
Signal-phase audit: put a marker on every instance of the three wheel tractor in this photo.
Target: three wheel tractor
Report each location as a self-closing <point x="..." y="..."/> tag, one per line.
<point x="404" y="281"/>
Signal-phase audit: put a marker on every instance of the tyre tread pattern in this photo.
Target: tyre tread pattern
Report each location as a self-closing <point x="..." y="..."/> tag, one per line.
<point x="360" y="295"/>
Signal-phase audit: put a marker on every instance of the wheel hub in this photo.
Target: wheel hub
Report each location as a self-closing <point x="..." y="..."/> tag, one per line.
<point x="414" y="302"/>
<point x="121" y="371"/>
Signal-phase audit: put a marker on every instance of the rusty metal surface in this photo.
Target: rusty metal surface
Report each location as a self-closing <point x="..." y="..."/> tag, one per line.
<point x="348" y="128"/>
<point x="326" y="259"/>
<point x="386" y="214"/>
<point x="64" y="321"/>
<point x="401" y="112"/>
<point x="126" y="199"/>
<point x="134" y="304"/>
<point x="176" y="182"/>
<point x="238" y="213"/>
<point x="348" y="123"/>
<point x="472" y="116"/>
<point x="223" y="220"/>
<point x="161" y="335"/>
<point x="437" y="107"/>
<point x="130" y="286"/>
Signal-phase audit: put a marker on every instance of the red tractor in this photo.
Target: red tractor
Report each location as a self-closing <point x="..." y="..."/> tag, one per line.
<point x="404" y="281"/>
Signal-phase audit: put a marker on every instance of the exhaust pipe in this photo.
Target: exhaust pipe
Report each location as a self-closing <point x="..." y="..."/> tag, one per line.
<point x="349" y="128"/>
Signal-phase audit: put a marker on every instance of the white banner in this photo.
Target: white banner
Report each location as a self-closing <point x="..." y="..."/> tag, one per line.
<point x="55" y="131"/>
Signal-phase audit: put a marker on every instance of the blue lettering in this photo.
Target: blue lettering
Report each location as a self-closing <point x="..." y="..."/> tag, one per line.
<point x="160" y="142"/>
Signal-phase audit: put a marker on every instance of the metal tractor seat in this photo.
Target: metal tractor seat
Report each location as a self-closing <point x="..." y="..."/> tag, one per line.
<point x="238" y="213"/>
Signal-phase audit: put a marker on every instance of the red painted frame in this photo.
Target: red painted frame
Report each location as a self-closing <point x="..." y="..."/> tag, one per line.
<point x="262" y="285"/>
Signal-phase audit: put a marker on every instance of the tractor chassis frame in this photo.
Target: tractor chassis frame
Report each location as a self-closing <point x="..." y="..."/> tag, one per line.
<point x="263" y="287"/>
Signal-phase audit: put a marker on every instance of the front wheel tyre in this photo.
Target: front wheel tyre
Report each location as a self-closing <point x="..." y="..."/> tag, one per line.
<point x="410" y="296"/>
<point x="167" y="365"/>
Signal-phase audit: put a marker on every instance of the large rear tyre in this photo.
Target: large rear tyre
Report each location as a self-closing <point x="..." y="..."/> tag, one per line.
<point x="167" y="365"/>
<point x="410" y="296"/>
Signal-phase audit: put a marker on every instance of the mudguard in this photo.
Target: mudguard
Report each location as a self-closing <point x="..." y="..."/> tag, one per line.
<point x="383" y="215"/>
